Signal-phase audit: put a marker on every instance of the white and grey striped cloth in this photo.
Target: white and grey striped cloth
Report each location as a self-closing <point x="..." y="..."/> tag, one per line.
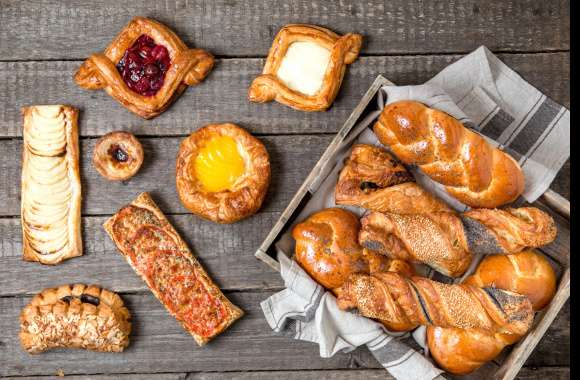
<point x="487" y="96"/>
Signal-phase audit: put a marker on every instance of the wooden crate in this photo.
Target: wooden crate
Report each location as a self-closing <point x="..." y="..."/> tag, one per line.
<point x="509" y="363"/>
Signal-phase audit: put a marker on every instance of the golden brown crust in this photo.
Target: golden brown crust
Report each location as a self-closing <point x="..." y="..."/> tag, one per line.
<point x="471" y="170"/>
<point x="527" y="273"/>
<point x="51" y="186"/>
<point x="373" y="179"/>
<point x="393" y="298"/>
<point x="161" y="258"/>
<point x="249" y="191"/>
<point x="343" y="51"/>
<point x="75" y="316"/>
<point x="118" y="155"/>
<point x="435" y="239"/>
<point x="188" y="68"/>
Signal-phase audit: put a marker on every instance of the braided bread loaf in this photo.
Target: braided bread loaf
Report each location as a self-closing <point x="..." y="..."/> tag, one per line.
<point x="446" y="241"/>
<point x="472" y="171"/>
<point x="396" y="300"/>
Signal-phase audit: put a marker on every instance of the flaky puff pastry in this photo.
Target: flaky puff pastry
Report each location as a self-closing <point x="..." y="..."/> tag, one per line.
<point x="268" y="86"/>
<point x="244" y="197"/>
<point x="75" y="316"/>
<point x="188" y="68"/>
<point x="51" y="185"/>
<point x="373" y="179"/>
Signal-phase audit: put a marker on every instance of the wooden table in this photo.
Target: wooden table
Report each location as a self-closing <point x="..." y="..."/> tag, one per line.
<point x="43" y="42"/>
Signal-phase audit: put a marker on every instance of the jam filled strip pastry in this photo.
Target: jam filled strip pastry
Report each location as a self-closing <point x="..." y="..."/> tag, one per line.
<point x="145" y="68"/>
<point x="373" y="179"/>
<point x="75" y="316"/>
<point x="305" y="67"/>
<point x="51" y="186"/>
<point x="162" y="259"/>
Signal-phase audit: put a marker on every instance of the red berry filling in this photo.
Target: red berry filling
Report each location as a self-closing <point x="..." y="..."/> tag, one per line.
<point x="144" y="65"/>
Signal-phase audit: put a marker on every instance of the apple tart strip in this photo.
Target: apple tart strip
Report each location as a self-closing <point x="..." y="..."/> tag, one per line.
<point x="75" y="316"/>
<point x="51" y="188"/>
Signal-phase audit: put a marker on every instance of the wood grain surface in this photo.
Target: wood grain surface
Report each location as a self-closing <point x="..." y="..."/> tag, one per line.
<point x="43" y="42"/>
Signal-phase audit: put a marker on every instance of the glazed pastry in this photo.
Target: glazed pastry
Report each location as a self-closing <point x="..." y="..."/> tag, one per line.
<point x="461" y="351"/>
<point x="394" y="298"/>
<point x="162" y="259"/>
<point x="471" y="170"/>
<point x="305" y="67"/>
<point x="373" y="179"/>
<point x="223" y="173"/>
<point x="118" y="155"/>
<point x="51" y="186"/>
<point x="446" y="241"/>
<point x="145" y="68"/>
<point x="75" y="316"/>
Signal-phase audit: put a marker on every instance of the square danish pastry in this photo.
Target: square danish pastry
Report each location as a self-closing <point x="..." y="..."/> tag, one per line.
<point x="161" y="258"/>
<point x="145" y="68"/>
<point x="305" y="67"/>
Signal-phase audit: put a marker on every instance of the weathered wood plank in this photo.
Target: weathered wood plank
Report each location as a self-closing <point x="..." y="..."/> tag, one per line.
<point x="223" y="96"/>
<point x="226" y="251"/>
<point x="159" y="344"/>
<point x="292" y="158"/>
<point x="526" y="373"/>
<point x="75" y="29"/>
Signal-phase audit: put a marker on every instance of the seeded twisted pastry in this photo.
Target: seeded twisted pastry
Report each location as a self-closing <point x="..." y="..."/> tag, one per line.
<point x="373" y="179"/>
<point x="327" y="248"/>
<point x="472" y="171"/>
<point x="447" y="241"/>
<point x="75" y="316"/>
<point x="461" y="351"/>
<point x="395" y="299"/>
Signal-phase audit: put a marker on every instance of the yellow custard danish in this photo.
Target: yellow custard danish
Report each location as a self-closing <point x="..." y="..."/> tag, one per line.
<point x="222" y="173"/>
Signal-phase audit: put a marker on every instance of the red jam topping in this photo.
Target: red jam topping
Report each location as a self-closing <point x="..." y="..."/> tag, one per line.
<point x="144" y="65"/>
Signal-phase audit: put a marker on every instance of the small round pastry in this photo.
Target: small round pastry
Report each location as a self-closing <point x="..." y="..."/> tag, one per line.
<point x="118" y="155"/>
<point x="222" y="173"/>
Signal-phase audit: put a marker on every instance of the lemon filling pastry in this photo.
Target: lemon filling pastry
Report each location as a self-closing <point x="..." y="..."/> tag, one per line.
<point x="219" y="164"/>
<point x="50" y="185"/>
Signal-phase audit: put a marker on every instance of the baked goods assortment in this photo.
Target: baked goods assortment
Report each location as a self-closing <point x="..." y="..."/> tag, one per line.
<point x="145" y="68"/>
<point x="51" y="186"/>
<point x="305" y="67"/>
<point x="472" y="171"/>
<point x="118" y="156"/>
<point x="161" y="258"/>
<point x="373" y="179"/>
<point x="222" y="173"/>
<point x="75" y="316"/>
<point x="446" y="241"/>
<point x="461" y="351"/>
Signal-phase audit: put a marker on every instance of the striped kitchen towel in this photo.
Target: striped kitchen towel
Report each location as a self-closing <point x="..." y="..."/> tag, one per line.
<point x="486" y="95"/>
<point x="305" y="311"/>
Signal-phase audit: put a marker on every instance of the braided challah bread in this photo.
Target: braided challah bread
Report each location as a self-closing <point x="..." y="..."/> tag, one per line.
<point x="472" y="171"/>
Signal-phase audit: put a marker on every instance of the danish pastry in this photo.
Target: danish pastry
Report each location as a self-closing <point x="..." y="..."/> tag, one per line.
<point x="223" y="173"/>
<point x="305" y="67"/>
<point x="75" y="316"/>
<point x="162" y="259"/>
<point x="145" y="68"/>
<point x="118" y="155"/>
<point x="373" y="179"/>
<point x="51" y="186"/>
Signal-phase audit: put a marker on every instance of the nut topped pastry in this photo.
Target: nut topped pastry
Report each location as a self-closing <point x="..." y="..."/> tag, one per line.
<point x="145" y="68"/>
<point x="51" y="186"/>
<point x="373" y="179"/>
<point x="75" y="316"/>
<point x="118" y="155"/>
<point x="223" y="173"/>
<point x="305" y="67"/>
